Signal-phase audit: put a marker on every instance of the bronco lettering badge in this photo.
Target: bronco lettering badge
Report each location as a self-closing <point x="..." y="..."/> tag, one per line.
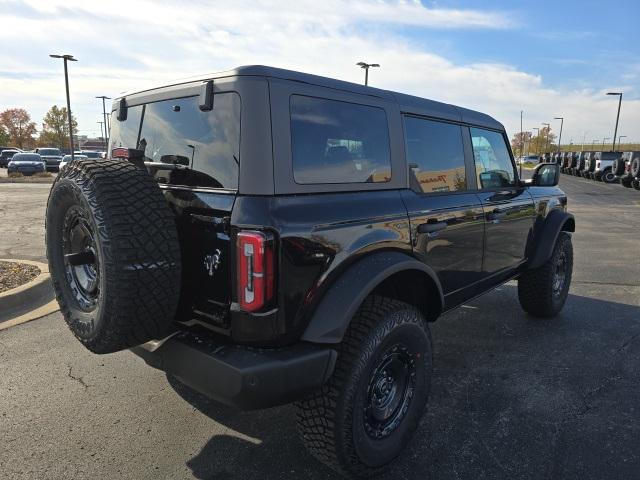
<point x="212" y="261"/>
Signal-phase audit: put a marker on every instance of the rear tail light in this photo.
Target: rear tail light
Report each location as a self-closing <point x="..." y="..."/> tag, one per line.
<point x="255" y="258"/>
<point x="120" y="153"/>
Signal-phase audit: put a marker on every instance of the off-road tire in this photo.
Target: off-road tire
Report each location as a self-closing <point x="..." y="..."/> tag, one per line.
<point x="536" y="291"/>
<point x="333" y="422"/>
<point x="634" y="169"/>
<point x="608" y="176"/>
<point x="117" y="213"/>
<point x="636" y="184"/>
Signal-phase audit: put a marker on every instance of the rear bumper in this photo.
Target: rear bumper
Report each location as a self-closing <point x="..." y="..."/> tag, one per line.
<point x="25" y="170"/>
<point x="245" y="377"/>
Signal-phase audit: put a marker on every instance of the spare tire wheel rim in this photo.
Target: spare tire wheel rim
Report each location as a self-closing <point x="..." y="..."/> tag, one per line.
<point x="560" y="274"/>
<point x="389" y="392"/>
<point x="609" y="176"/>
<point x="80" y="255"/>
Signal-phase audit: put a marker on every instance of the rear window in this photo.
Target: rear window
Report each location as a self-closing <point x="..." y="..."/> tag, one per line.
<point x="49" y="151"/>
<point x="338" y="142"/>
<point x="178" y="132"/>
<point x="26" y="157"/>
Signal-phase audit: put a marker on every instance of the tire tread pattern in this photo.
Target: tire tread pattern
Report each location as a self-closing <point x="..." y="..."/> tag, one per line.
<point x="535" y="290"/>
<point x="321" y="423"/>
<point x="140" y="253"/>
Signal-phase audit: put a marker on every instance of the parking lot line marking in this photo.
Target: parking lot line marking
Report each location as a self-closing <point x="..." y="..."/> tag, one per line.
<point x="39" y="312"/>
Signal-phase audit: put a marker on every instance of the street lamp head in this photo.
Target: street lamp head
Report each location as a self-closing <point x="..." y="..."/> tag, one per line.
<point x="558" y="118"/>
<point x="614" y="93"/>
<point x="367" y="65"/>
<point x="66" y="57"/>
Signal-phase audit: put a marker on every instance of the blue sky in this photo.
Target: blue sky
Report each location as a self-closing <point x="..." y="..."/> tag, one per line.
<point x="572" y="44"/>
<point x="546" y="58"/>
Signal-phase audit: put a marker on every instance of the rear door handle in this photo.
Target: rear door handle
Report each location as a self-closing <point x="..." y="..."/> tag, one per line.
<point x="431" y="227"/>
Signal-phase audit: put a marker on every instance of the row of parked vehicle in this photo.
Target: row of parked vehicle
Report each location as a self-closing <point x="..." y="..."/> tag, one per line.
<point x="39" y="160"/>
<point x="608" y="167"/>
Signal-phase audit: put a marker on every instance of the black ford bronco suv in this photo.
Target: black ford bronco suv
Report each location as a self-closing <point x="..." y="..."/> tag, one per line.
<point x="267" y="236"/>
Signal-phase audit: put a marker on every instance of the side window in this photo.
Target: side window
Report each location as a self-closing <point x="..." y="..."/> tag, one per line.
<point x="205" y="144"/>
<point x="435" y="155"/>
<point x="492" y="160"/>
<point x="338" y="142"/>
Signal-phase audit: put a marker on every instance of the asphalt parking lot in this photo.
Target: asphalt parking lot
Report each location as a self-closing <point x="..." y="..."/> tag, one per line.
<point x="512" y="397"/>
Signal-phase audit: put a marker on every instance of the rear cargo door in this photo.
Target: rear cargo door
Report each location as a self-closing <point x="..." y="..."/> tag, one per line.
<point x="194" y="157"/>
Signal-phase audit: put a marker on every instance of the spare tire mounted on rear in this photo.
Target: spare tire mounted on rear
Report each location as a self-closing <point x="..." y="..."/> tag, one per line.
<point x="113" y="252"/>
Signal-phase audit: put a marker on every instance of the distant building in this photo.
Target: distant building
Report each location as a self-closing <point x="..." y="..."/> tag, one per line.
<point x="96" y="144"/>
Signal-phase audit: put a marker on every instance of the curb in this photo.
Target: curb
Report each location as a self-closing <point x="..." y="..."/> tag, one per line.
<point x="38" y="292"/>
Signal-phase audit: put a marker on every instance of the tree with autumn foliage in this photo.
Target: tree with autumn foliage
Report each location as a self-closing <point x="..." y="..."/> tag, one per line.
<point x="18" y="125"/>
<point x="544" y="142"/>
<point x="519" y="141"/>
<point x="4" y="137"/>
<point x="55" y="128"/>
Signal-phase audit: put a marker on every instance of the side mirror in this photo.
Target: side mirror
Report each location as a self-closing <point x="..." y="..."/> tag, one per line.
<point x="546" y="175"/>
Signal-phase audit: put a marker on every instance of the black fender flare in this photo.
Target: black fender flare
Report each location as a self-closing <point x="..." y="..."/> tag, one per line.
<point x="544" y="239"/>
<point x="339" y="304"/>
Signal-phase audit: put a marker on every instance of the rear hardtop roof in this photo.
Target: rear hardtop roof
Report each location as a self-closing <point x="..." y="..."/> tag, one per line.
<point x="407" y="103"/>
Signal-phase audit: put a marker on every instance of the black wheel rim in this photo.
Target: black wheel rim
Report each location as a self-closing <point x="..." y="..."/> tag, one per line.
<point x="560" y="275"/>
<point x="389" y="392"/>
<point x="80" y="253"/>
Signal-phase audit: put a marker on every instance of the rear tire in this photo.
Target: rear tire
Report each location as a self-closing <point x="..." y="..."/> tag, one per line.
<point x="543" y="291"/>
<point x="113" y="254"/>
<point x="608" y="176"/>
<point x="363" y="417"/>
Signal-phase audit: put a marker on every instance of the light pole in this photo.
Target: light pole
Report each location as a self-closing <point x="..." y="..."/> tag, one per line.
<point x="560" y="136"/>
<point x="366" y="67"/>
<point x="101" y="132"/>
<point x="619" y="139"/>
<point x="537" y="140"/>
<point x="615" y="132"/>
<point x="67" y="58"/>
<point x="546" y="143"/>
<point x="106" y="124"/>
<point x="604" y="141"/>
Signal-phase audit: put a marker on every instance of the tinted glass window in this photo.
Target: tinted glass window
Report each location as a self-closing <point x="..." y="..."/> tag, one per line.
<point x="205" y="145"/>
<point x="27" y="157"/>
<point x="492" y="159"/>
<point x="49" y="151"/>
<point x="338" y="142"/>
<point x="435" y="156"/>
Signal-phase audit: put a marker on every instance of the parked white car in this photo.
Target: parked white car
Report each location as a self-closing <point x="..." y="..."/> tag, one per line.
<point x="67" y="158"/>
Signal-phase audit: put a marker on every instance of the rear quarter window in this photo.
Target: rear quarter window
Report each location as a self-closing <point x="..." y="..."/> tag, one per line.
<point x="338" y="142"/>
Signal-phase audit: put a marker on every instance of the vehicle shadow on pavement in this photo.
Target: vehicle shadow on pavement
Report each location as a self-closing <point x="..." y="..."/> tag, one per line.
<point x="512" y="397"/>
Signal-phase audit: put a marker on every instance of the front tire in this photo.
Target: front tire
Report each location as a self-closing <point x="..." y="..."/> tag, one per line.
<point x="364" y="416"/>
<point x="543" y="291"/>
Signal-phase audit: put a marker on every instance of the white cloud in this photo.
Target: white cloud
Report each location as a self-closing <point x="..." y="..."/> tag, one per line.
<point x="124" y="45"/>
